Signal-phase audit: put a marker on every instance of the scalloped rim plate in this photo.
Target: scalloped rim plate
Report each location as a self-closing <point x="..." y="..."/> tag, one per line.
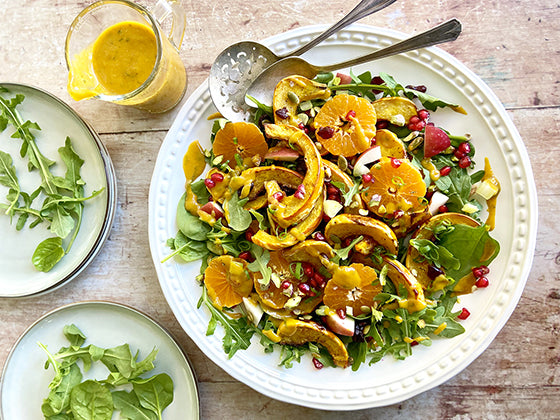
<point x="388" y="381"/>
<point x="57" y="120"/>
<point x="24" y="382"/>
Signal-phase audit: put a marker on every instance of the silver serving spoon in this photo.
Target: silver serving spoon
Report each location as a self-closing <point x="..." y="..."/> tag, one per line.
<point x="238" y="65"/>
<point x="262" y="88"/>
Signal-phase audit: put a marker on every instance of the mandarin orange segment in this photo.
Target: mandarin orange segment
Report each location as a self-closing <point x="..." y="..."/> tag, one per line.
<point x="345" y="125"/>
<point x="278" y="297"/>
<point x="227" y="281"/>
<point x="395" y="187"/>
<point x="353" y="286"/>
<point x="239" y="138"/>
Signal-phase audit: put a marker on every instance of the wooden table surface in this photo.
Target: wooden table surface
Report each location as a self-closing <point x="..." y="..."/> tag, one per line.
<point x="513" y="45"/>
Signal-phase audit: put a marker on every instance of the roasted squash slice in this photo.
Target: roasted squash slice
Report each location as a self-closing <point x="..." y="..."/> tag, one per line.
<point x="295" y="332"/>
<point x="352" y="225"/>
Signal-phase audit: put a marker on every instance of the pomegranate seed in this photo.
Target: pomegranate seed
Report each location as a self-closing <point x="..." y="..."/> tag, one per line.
<point x="351" y="114"/>
<point x="414" y="119"/>
<point x="249" y="235"/>
<point x="299" y="195"/>
<point x="304" y="288"/>
<point x="414" y="343"/>
<point x="458" y="154"/>
<point x="482" y="282"/>
<point x="325" y="132"/>
<point x="477" y="272"/>
<point x="312" y="293"/>
<point x="333" y="197"/>
<point x="464" y="162"/>
<point x="331" y="189"/>
<point x="434" y="271"/>
<point x="246" y="255"/>
<point x="341" y="313"/>
<point x="308" y="269"/>
<point x="346" y="242"/>
<point x="485" y="269"/>
<point x="423" y="114"/>
<point x="366" y="177"/>
<point x="326" y="218"/>
<point x="318" y="236"/>
<point x="443" y="209"/>
<point x="374" y="141"/>
<point x="319" y="278"/>
<point x="301" y="126"/>
<point x="209" y="183"/>
<point x="395" y="163"/>
<point x="313" y="282"/>
<point x="465" y="147"/>
<point x="217" y="177"/>
<point x="445" y="170"/>
<point x="317" y="364"/>
<point x="382" y="124"/>
<point x="464" y="314"/>
<point x="286" y="284"/>
<point x="282" y="113"/>
<point x="397" y="214"/>
<point x="278" y="196"/>
<point x="411" y="126"/>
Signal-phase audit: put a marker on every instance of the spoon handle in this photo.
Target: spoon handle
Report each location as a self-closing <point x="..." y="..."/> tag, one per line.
<point x="363" y="9"/>
<point x="447" y="31"/>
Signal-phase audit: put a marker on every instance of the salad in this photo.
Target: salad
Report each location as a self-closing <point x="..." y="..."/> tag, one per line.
<point x="342" y="222"/>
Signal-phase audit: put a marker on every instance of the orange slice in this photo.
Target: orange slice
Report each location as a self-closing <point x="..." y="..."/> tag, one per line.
<point x="227" y="281"/>
<point x="395" y="186"/>
<point x="353" y="286"/>
<point x="345" y="125"/>
<point x="239" y="138"/>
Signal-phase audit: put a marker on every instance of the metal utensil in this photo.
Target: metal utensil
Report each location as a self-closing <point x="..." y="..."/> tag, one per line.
<point x="262" y="88"/>
<point x="239" y="65"/>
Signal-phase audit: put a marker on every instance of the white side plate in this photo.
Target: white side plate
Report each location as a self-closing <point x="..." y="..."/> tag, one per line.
<point x="18" y="276"/>
<point x="25" y="381"/>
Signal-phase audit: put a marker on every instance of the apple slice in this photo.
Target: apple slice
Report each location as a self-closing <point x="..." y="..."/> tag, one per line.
<point x="367" y="157"/>
<point x="213" y="209"/>
<point x="282" y="153"/>
<point x="339" y="325"/>
<point x="435" y="141"/>
<point x="345" y="79"/>
<point x="438" y="199"/>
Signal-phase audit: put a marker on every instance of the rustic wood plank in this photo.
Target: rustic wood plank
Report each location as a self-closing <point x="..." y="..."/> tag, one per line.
<point x="512" y="45"/>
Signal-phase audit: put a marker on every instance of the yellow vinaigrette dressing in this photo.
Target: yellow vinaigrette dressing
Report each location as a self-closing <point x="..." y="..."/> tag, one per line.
<point x="121" y="60"/>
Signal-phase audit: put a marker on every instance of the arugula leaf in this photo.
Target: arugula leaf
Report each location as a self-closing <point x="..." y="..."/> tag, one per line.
<point x="58" y="399"/>
<point x="187" y="249"/>
<point x="238" y="332"/>
<point x="260" y="265"/>
<point x="237" y="217"/>
<point x="9" y="179"/>
<point x="438" y="255"/>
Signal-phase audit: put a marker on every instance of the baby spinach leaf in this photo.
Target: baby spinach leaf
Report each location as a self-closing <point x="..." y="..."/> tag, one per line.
<point x="119" y="359"/>
<point x="91" y="400"/>
<point x="154" y="393"/>
<point x="473" y="246"/>
<point x="129" y="406"/>
<point x="437" y="255"/>
<point x="191" y="226"/>
<point x="48" y="253"/>
<point x="237" y="217"/>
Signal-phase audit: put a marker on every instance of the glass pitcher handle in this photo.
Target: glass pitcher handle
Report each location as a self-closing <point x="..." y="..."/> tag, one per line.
<point x="171" y="9"/>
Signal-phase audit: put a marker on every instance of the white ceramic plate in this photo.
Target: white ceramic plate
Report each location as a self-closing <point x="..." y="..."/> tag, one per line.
<point x="25" y="382"/>
<point x="389" y="381"/>
<point x="57" y="121"/>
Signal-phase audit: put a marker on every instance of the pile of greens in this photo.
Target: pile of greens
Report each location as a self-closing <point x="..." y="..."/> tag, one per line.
<point x="63" y="197"/>
<point x="72" y="398"/>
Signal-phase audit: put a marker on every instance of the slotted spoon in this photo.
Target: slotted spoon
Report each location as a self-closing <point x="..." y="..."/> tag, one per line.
<point x="239" y="65"/>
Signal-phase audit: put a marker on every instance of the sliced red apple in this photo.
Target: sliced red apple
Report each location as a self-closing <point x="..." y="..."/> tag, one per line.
<point x="435" y="141"/>
<point x="371" y="155"/>
<point x="213" y="209"/>
<point x="438" y="199"/>
<point x="339" y="325"/>
<point x="345" y="79"/>
<point x="282" y="153"/>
